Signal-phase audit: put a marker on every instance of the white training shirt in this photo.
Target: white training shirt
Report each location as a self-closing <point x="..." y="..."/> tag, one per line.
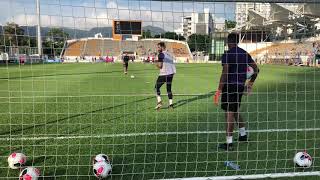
<point x="168" y="66"/>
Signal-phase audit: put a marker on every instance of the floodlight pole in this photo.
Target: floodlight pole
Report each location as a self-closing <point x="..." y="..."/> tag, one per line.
<point x="39" y="29"/>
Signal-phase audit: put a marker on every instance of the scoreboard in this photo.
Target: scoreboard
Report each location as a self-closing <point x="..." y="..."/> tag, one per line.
<point x="127" y="27"/>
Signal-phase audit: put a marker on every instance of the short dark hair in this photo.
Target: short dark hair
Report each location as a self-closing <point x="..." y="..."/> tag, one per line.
<point x="233" y="38"/>
<point x="162" y="44"/>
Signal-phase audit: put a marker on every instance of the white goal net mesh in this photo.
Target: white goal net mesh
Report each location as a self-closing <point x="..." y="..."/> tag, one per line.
<point x="72" y="100"/>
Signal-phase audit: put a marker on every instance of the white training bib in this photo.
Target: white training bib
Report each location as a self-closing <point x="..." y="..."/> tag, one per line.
<point x="168" y="66"/>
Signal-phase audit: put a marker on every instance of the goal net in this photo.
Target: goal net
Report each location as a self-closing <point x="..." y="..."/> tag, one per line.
<point x="85" y="85"/>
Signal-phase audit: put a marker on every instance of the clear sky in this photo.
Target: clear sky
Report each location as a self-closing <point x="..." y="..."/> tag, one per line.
<point x="85" y="14"/>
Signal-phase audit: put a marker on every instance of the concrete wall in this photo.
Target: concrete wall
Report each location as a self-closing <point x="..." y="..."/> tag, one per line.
<point x="250" y="47"/>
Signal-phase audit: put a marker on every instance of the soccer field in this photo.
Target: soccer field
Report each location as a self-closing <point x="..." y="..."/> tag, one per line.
<point x="61" y="115"/>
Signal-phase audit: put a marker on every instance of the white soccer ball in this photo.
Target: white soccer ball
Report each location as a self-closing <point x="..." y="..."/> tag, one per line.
<point x="100" y="158"/>
<point x="250" y="72"/>
<point x="102" y="169"/>
<point x="16" y="160"/>
<point x="302" y="159"/>
<point x="132" y="76"/>
<point x="29" y="173"/>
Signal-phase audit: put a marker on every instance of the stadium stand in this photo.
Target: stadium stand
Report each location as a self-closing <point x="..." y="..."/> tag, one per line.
<point x="90" y="47"/>
<point x="179" y="49"/>
<point x="294" y="52"/>
<point x="75" y="48"/>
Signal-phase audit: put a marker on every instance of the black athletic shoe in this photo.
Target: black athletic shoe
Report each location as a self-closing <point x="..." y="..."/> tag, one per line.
<point x="243" y="138"/>
<point x="170" y="107"/>
<point x="225" y="146"/>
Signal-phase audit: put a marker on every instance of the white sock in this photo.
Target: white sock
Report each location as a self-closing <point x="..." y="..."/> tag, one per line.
<point x="229" y="139"/>
<point x="242" y="131"/>
<point x="170" y="101"/>
<point x="159" y="98"/>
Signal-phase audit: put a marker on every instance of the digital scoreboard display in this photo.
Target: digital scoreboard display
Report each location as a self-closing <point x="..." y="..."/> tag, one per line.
<point x="127" y="27"/>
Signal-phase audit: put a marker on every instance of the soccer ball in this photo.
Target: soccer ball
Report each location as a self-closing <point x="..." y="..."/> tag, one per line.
<point x="29" y="173"/>
<point x="132" y="76"/>
<point x="100" y="158"/>
<point x="302" y="159"/>
<point x="16" y="160"/>
<point x="250" y="72"/>
<point x="102" y="169"/>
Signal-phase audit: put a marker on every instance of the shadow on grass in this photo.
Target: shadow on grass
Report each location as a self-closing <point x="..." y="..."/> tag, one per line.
<point x="189" y="100"/>
<point x="70" y="117"/>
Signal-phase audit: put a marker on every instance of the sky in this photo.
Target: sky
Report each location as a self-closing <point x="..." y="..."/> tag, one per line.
<point x="86" y="14"/>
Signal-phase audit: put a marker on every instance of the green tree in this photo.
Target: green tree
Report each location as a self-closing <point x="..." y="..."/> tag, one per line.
<point x="170" y="35"/>
<point x="13" y="37"/>
<point x="54" y="41"/>
<point x="173" y="35"/>
<point x="146" y="34"/>
<point x="230" y="24"/>
<point x="199" y="42"/>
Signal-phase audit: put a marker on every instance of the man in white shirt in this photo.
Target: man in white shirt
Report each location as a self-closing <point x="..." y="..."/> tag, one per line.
<point x="167" y="70"/>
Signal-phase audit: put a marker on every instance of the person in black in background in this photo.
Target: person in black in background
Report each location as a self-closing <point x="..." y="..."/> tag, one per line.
<point x="125" y="60"/>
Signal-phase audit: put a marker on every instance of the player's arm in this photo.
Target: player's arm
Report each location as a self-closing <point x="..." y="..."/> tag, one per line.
<point x="223" y="77"/>
<point x="225" y="69"/>
<point x="159" y="64"/>
<point x="223" y="80"/>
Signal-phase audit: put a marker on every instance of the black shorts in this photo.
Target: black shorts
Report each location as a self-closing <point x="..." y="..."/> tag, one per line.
<point x="231" y="97"/>
<point x="125" y="64"/>
<point x="165" y="79"/>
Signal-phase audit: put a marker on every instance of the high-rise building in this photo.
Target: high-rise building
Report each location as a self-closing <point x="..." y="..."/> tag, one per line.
<point x="198" y="23"/>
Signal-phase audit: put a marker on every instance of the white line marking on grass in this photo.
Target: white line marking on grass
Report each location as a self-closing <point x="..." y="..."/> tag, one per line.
<point x="102" y="95"/>
<point x="253" y="176"/>
<point x="134" y="95"/>
<point x="38" y="137"/>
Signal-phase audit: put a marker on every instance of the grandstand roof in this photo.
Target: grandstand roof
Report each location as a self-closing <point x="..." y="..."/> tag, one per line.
<point x="312" y="9"/>
<point x="255" y="18"/>
<point x="300" y="16"/>
<point x="280" y="14"/>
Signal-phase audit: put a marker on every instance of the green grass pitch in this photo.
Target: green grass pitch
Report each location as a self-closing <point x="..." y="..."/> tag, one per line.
<point x="61" y="115"/>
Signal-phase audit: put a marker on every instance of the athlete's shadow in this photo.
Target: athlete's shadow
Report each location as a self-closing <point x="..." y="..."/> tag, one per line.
<point x="183" y="102"/>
